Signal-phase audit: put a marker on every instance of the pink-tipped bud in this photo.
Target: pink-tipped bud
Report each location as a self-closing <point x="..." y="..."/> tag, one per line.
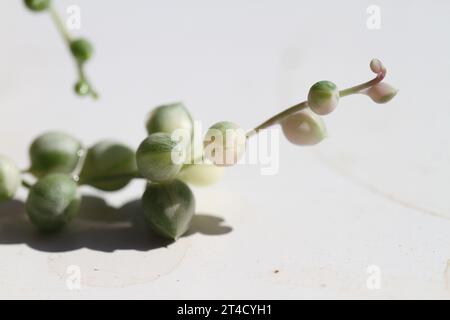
<point x="304" y="128"/>
<point x="381" y="92"/>
<point x="377" y="66"/>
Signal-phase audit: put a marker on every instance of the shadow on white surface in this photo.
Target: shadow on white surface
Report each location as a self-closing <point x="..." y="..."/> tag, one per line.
<point x="99" y="227"/>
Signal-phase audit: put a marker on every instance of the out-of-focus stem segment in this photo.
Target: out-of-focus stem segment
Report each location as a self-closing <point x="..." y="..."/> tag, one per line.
<point x="59" y="23"/>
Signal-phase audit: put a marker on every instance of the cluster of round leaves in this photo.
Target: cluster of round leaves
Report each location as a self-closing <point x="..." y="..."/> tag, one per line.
<point x="61" y="165"/>
<point x="223" y="145"/>
<point x="168" y="159"/>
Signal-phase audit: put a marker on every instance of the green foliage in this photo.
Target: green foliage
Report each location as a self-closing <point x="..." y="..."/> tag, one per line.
<point x="155" y="157"/>
<point x="37" y="5"/>
<point x="108" y="159"/>
<point x="54" y="152"/>
<point x="52" y="202"/>
<point x="81" y="49"/>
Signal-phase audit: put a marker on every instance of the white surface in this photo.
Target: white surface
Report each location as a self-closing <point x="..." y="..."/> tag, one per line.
<point x="374" y="193"/>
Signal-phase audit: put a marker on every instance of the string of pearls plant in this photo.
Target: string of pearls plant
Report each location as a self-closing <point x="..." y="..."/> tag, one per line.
<point x="80" y="48"/>
<point x="167" y="159"/>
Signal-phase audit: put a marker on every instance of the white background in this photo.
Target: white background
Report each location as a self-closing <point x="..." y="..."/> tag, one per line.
<point x="376" y="192"/>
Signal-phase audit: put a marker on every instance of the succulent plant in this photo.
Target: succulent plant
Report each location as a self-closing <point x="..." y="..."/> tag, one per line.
<point x="168" y="159"/>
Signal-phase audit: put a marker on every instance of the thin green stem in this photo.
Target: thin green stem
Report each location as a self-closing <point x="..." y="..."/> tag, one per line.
<point x="82" y="76"/>
<point x="365" y="85"/>
<point x="60" y="25"/>
<point x="276" y="118"/>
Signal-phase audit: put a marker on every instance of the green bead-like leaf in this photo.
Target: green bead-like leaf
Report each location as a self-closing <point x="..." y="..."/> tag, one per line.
<point x="224" y="143"/>
<point x="169" y="208"/>
<point x="323" y="97"/>
<point x="9" y="179"/>
<point x="155" y="157"/>
<point x="81" y="49"/>
<point x="168" y="118"/>
<point x="52" y="202"/>
<point x="37" y="5"/>
<point x="54" y="152"/>
<point x="201" y="174"/>
<point x="81" y="88"/>
<point x="304" y="128"/>
<point x="107" y="159"/>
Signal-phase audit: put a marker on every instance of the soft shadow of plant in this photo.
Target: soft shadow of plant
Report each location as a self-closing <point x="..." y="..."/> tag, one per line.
<point x="98" y="226"/>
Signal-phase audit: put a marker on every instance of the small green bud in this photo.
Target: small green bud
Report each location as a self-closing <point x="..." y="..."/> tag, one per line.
<point x="224" y="143"/>
<point x="157" y="157"/>
<point x="106" y="159"/>
<point x="81" y="88"/>
<point x="9" y="179"/>
<point x="381" y="92"/>
<point x="304" y="128"/>
<point x="168" y="118"/>
<point x="201" y="174"/>
<point x="37" y="5"/>
<point x="169" y="208"/>
<point x="323" y="97"/>
<point x="52" y="202"/>
<point x="81" y="49"/>
<point x="54" y="152"/>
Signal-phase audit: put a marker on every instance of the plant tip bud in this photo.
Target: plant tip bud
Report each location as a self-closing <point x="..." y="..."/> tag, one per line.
<point x="377" y="66"/>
